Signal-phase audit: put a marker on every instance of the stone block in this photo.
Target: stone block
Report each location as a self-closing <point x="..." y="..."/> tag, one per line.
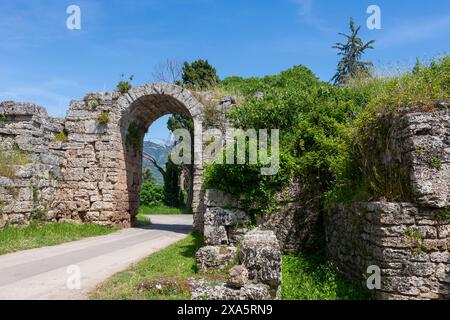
<point x="260" y="253"/>
<point x="215" y="258"/>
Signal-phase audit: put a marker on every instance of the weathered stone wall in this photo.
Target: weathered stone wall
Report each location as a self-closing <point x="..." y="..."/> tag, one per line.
<point x="410" y="242"/>
<point x="94" y="175"/>
<point x="28" y="184"/>
<point x="409" y="245"/>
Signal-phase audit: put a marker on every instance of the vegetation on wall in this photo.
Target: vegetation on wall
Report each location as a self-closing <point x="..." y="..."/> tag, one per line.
<point x="103" y="118"/>
<point x="9" y="159"/>
<point x="330" y="136"/>
<point x="125" y="85"/>
<point x="61" y="137"/>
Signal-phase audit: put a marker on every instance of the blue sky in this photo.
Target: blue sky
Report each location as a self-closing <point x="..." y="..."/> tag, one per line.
<point x="45" y="63"/>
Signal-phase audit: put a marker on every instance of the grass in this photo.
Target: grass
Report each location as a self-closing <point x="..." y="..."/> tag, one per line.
<point x="11" y="158"/>
<point x="422" y="87"/>
<point x="141" y="221"/>
<point x="161" y="276"/>
<point x="38" y="235"/>
<point x="61" y="137"/>
<point x="162" y="209"/>
<point x="315" y="278"/>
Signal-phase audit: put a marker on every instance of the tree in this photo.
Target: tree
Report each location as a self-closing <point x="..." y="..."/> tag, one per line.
<point x="199" y="75"/>
<point x="148" y="175"/>
<point x="351" y="66"/>
<point x="168" y="71"/>
<point x="151" y="194"/>
<point x="172" y="193"/>
<point x="180" y="121"/>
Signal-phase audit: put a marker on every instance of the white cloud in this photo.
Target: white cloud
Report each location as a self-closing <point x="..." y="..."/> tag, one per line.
<point x="305" y="9"/>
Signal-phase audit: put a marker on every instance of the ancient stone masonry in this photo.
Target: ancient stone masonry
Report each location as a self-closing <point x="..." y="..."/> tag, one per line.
<point x="254" y="256"/>
<point x="409" y="242"/>
<point x="30" y="163"/>
<point x="87" y="167"/>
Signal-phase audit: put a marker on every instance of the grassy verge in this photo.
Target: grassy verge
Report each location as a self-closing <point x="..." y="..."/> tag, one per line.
<point x="161" y="276"/>
<point x="141" y="220"/>
<point x="162" y="209"/>
<point x="314" y="278"/>
<point x="38" y="235"/>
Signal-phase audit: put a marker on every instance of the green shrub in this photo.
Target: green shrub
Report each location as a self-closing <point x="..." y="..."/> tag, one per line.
<point x="103" y="118"/>
<point x="3" y="119"/>
<point x="314" y="119"/>
<point x="94" y="104"/>
<point x="61" y="137"/>
<point x="151" y="194"/>
<point x="436" y="163"/>
<point x="365" y="174"/>
<point x="123" y="87"/>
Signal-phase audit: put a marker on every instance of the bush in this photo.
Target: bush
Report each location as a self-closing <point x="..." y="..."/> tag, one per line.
<point x="103" y="118"/>
<point x="151" y="194"/>
<point x="123" y="87"/>
<point x="314" y="120"/>
<point x="364" y="175"/>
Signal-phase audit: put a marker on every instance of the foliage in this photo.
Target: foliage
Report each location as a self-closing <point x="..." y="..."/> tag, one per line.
<point x="38" y="235"/>
<point x="125" y="85"/>
<point x="151" y="194"/>
<point x="365" y="175"/>
<point x="162" y="276"/>
<point x="94" y="104"/>
<point x="199" y="75"/>
<point x="61" y="137"/>
<point x="420" y="88"/>
<point x="147" y="176"/>
<point x="313" y="277"/>
<point x="172" y="194"/>
<point x="3" y="119"/>
<point x="103" y="118"/>
<point x="351" y="65"/>
<point x="11" y="158"/>
<point x="443" y="215"/>
<point x="314" y="120"/>
<point x="180" y="121"/>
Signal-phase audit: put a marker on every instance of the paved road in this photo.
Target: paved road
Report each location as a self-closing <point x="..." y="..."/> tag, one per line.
<point x="45" y="273"/>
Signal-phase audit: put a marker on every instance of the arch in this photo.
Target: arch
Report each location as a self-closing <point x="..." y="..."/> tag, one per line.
<point x="138" y="109"/>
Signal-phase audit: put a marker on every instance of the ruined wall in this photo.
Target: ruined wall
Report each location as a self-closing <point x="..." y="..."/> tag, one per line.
<point x="87" y="167"/>
<point x="30" y="163"/>
<point x="410" y="241"/>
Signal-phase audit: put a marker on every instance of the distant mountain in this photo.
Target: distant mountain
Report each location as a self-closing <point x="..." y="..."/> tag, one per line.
<point x="161" y="154"/>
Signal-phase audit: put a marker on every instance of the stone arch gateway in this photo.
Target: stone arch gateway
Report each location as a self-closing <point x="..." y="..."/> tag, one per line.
<point x="93" y="174"/>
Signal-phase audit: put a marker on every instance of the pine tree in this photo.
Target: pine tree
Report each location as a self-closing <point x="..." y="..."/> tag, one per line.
<point x="351" y="66"/>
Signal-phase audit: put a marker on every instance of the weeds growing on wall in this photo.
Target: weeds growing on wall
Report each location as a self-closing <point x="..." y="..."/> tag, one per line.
<point x="11" y="158"/>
